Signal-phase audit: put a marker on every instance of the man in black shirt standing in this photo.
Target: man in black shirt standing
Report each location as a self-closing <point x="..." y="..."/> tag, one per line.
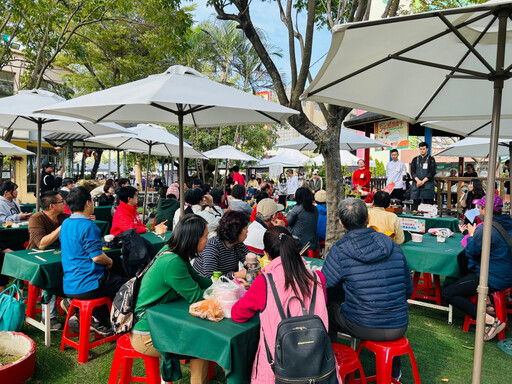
<point x="48" y="181"/>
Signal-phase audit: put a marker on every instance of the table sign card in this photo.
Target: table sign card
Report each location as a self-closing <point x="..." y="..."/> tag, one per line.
<point x="412" y="225"/>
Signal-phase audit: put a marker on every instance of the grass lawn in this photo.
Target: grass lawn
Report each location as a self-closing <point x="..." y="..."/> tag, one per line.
<point x="442" y="352"/>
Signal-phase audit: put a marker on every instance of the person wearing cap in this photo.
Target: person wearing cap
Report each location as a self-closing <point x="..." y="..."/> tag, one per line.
<point x="361" y="177"/>
<point x="167" y="207"/>
<point x="395" y="172"/>
<point x="292" y="184"/>
<point x="48" y="181"/>
<point x="321" y="226"/>
<point x="316" y="183"/>
<point x="384" y="221"/>
<point x="266" y="217"/>
<point x="459" y="293"/>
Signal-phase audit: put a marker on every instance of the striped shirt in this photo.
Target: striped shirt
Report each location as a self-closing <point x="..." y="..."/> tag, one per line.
<point x="217" y="256"/>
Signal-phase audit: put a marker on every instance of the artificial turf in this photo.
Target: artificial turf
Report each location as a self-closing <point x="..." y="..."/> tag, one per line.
<point x="443" y="353"/>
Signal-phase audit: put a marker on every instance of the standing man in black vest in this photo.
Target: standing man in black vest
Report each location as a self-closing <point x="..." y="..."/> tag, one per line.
<point x="48" y="181"/>
<point x="423" y="170"/>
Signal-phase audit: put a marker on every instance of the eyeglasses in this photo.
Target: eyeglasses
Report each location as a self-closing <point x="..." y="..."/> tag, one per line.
<point x="59" y="202"/>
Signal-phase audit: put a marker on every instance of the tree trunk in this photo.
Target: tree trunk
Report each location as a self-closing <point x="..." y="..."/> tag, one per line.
<point x="96" y="165"/>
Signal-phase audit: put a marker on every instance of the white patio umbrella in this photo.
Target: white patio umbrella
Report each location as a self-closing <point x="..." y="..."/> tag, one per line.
<point x="287" y="158"/>
<point x="228" y="152"/>
<point x="346" y="159"/>
<point x="475" y="147"/>
<point x="423" y="67"/>
<point x="349" y="140"/>
<point x="7" y="149"/>
<point x="181" y="96"/>
<point x="16" y="113"/>
<point x="151" y="139"/>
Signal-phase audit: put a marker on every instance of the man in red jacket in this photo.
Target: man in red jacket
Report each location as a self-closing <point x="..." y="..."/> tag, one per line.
<point x="361" y="177"/>
<point x="126" y="215"/>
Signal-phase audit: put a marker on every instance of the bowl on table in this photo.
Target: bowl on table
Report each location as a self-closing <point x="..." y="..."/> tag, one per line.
<point x="445" y="232"/>
<point x="416" y="238"/>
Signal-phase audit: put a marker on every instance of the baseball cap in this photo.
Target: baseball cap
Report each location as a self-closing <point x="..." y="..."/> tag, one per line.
<point x="321" y="196"/>
<point x="497" y="203"/>
<point x="267" y="207"/>
<point x="174" y="189"/>
<point x="315" y="172"/>
<point x="47" y="164"/>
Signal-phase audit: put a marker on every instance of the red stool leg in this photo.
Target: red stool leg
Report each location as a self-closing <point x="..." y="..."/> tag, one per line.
<point x="437" y="287"/>
<point x="85" y="329"/>
<point x="414" y="367"/>
<point x="210" y="370"/>
<point x="501" y="310"/>
<point x="116" y="364"/>
<point x="152" y="365"/>
<point x="33" y="293"/>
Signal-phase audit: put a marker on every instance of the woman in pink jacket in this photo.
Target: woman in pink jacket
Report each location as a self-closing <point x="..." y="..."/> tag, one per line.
<point x="291" y="279"/>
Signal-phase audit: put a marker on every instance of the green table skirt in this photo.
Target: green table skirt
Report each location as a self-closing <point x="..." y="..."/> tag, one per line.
<point x="231" y="345"/>
<point x="47" y="274"/>
<point x="15" y="238"/>
<point x="428" y="256"/>
<point x="28" y="208"/>
<point x="434" y="222"/>
<point x="103" y="213"/>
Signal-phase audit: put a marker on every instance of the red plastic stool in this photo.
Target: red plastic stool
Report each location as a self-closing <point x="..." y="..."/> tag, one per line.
<point x="384" y="353"/>
<point x="348" y="362"/>
<point x="429" y="292"/>
<point x="500" y="307"/>
<point x="508" y="300"/>
<point x="85" y="314"/>
<point x="314" y="253"/>
<point x="123" y="358"/>
<point x="34" y="295"/>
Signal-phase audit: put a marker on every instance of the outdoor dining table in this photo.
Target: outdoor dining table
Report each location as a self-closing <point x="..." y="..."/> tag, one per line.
<point x="44" y="270"/>
<point x="15" y="238"/>
<point x="103" y="213"/>
<point x="28" y="208"/>
<point x="429" y="256"/>
<point x="431" y="222"/>
<point x="230" y="344"/>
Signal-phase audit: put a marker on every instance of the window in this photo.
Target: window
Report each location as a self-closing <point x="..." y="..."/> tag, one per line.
<point x="46" y="154"/>
<point x="6" y="83"/>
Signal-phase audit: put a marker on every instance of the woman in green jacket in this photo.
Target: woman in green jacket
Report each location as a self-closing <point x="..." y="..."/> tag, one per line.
<point x="170" y="277"/>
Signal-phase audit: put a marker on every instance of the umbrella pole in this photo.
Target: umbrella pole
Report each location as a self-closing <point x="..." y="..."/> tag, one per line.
<point x="147" y="186"/>
<point x="483" y="288"/>
<point x="38" y="160"/>
<point x="224" y="186"/>
<point x="181" y="177"/>
<point x="510" y="176"/>
<point x="118" y="165"/>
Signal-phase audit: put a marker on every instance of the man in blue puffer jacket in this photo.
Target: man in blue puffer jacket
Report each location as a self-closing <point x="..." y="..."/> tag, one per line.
<point x="375" y="277"/>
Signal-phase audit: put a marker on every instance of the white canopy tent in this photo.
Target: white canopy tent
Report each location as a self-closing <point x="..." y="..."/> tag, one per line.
<point x="347" y="159"/>
<point x="228" y="152"/>
<point x="288" y="158"/>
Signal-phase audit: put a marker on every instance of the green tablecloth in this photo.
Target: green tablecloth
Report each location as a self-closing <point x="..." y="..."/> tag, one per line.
<point x="47" y="273"/>
<point x="28" y="208"/>
<point x="433" y="257"/>
<point x="15" y="238"/>
<point x="103" y="213"/>
<point x="428" y="256"/>
<point x="434" y="222"/>
<point x="231" y="345"/>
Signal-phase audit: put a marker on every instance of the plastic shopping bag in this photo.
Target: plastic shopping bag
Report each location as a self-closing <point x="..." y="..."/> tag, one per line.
<point x="227" y="292"/>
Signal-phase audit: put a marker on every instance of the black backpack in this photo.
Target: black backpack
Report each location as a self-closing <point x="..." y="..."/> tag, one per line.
<point x="303" y="351"/>
<point x="136" y="252"/>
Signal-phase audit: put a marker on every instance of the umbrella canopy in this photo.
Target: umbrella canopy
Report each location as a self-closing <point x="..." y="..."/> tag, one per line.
<point x="347" y="159"/>
<point x="151" y="139"/>
<point x="16" y="112"/>
<point x="228" y="152"/>
<point x="7" y="149"/>
<point x="474" y="147"/>
<point x="349" y="140"/>
<point x="472" y="128"/>
<point x="148" y="137"/>
<point x="423" y="67"/>
<point x="180" y="95"/>
<point x="287" y="158"/>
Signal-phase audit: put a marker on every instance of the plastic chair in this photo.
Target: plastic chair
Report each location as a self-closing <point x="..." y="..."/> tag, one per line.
<point x="508" y="300"/>
<point x="314" y="253"/>
<point x="429" y="292"/>
<point x="348" y="362"/>
<point x="384" y="352"/>
<point x="34" y="295"/>
<point x="123" y="358"/>
<point x="85" y="315"/>
<point x="500" y="307"/>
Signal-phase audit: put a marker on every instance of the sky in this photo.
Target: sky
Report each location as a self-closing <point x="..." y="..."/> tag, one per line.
<point x="265" y="15"/>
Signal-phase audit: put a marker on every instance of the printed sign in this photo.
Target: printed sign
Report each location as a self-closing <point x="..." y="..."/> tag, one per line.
<point x="412" y="225"/>
<point x="392" y="132"/>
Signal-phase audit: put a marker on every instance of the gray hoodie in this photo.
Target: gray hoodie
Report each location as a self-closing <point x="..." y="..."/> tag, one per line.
<point x="9" y="210"/>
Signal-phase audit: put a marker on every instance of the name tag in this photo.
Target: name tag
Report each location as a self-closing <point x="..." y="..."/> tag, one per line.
<point x="362" y="175"/>
<point x="398" y="168"/>
<point x="425" y="165"/>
